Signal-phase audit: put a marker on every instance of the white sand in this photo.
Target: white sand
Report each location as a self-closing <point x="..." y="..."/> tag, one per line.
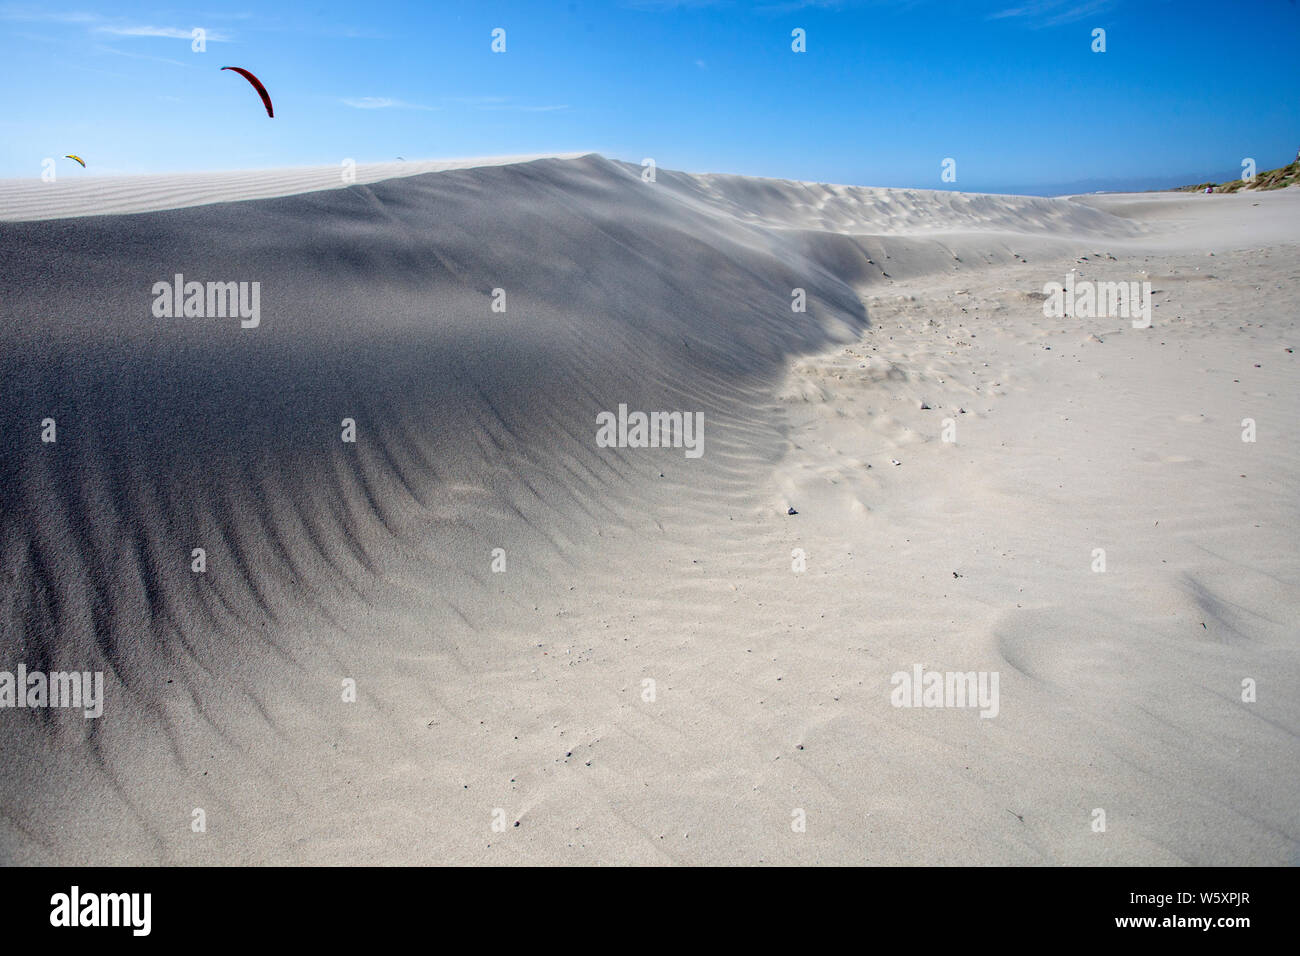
<point x="523" y="690"/>
<point x="82" y="193"/>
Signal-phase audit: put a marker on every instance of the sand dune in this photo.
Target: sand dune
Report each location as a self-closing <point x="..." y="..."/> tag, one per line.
<point x="520" y="695"/>
<point x="87" y="194"/>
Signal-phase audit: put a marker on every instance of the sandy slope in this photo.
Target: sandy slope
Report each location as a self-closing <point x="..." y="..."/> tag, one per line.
<point x="524" y="690"/>
<point x="77" y="192"/>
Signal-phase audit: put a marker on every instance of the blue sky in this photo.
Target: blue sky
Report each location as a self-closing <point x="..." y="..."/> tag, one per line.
<point x="1011" y="90"/>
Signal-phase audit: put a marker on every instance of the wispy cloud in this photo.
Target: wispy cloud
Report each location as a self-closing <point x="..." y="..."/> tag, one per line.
<point x="662" y="5"/>
<point x="475" y="100"/>
<point x="381" y="103"/>
<point x="1053" y="13"/>
<point x="174" y="33"/>
<point x="794" y="6"/>
<point x="97" y="23"/>
<point x="45" y="16"/>
<point x="778" y="8"/>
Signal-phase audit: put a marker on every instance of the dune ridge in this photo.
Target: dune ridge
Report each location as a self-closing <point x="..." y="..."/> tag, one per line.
<point x="93" y="194"/>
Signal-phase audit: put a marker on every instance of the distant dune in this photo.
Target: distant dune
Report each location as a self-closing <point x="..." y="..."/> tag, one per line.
<point x="1279" y="178"/>
<point x="516" y="681"/>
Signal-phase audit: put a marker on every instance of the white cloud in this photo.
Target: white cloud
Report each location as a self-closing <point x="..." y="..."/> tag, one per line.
<point x="381" y="103"/>
<point x="96" y="23"/>
<point x="174" y="33"/>
<point x="27" y="13"/>
<point x="1052" y="13"/>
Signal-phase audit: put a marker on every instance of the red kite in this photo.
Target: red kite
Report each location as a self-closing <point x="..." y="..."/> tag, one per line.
<point x="257" y="85"/>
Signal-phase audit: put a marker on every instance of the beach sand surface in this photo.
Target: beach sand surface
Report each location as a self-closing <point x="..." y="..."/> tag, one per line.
<point x="661" y="664"/>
